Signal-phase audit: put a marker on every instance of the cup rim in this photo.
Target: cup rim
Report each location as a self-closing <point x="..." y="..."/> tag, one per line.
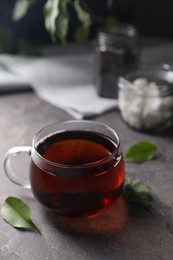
<point x="80" y="166"/>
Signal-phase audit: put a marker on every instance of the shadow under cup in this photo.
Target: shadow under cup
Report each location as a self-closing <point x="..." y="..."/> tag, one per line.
<point x="77" y="168"/>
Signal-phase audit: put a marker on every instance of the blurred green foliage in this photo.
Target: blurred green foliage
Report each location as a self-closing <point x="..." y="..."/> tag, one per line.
<point x="57" y="17"/>
<point x="64" y="20"/>
<point x="6" y="39"/>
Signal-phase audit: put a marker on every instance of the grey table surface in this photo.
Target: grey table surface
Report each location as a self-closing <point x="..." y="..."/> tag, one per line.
<point x="123" y="231"/>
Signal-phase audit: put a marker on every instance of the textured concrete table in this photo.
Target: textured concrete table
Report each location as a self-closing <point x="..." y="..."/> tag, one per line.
<point x="123" y="232"/>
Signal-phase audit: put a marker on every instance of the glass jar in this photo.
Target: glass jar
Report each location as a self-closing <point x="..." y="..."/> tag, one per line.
<point x="116" y="49"/>
<point x="145" y="97"/>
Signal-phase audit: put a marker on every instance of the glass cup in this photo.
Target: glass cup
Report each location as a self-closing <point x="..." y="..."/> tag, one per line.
<point x="76" y="167"/>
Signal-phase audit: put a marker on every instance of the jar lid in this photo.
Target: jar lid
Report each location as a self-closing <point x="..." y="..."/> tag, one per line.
<point x="114" y="35"/>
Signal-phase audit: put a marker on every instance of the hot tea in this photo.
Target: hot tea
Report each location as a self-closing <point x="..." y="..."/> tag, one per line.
<point x="76" y="168"/>
<point x="88" y="174"/>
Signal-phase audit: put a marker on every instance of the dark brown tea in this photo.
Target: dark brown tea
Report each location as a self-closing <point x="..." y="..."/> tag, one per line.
<point x="87" y="173"/>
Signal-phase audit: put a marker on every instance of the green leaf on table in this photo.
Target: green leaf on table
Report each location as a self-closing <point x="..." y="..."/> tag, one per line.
<point x="141" y="152"/>
<point x="16" y="213"/>
<point x="20" y="9"/>
<point x="136" y="191"/>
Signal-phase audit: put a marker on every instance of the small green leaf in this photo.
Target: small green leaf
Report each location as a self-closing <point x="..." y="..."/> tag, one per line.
<point x="83" y="16"/>
<point x="62" y="21"/>
<point x="15" y="212"/>
<point x="141" y="152"/>
<point x="51" y="12"/>
<point x="136" y="191"/>
<point x="20" y="9"/>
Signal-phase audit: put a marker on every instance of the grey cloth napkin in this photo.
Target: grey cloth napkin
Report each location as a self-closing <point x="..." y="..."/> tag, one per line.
<point x="67" y="82"/>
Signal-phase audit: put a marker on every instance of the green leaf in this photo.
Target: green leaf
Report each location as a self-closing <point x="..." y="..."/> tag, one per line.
<point x="141" y="152"/>
<point x="83" y="16"/>
<point x="62" y="21"/>
<point x="20" y="9"/>
<point x="51" y="12"/>
<point x="15" y="212"/>
<point x="136" y="191"/>
<point x="81" y="34"/>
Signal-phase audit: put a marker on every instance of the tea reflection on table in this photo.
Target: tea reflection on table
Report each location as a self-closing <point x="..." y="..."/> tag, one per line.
<point x="108" y="223"/>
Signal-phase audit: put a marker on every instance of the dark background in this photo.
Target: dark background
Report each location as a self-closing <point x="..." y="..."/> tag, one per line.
<point x="151" y="17"/>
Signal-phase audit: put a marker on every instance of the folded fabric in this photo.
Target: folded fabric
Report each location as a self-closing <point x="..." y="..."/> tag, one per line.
<point x="10" y="82"/>
<point x="66" y="81"/>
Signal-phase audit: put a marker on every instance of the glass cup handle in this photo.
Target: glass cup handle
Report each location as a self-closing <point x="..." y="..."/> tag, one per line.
<point x="12" y="175"/>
